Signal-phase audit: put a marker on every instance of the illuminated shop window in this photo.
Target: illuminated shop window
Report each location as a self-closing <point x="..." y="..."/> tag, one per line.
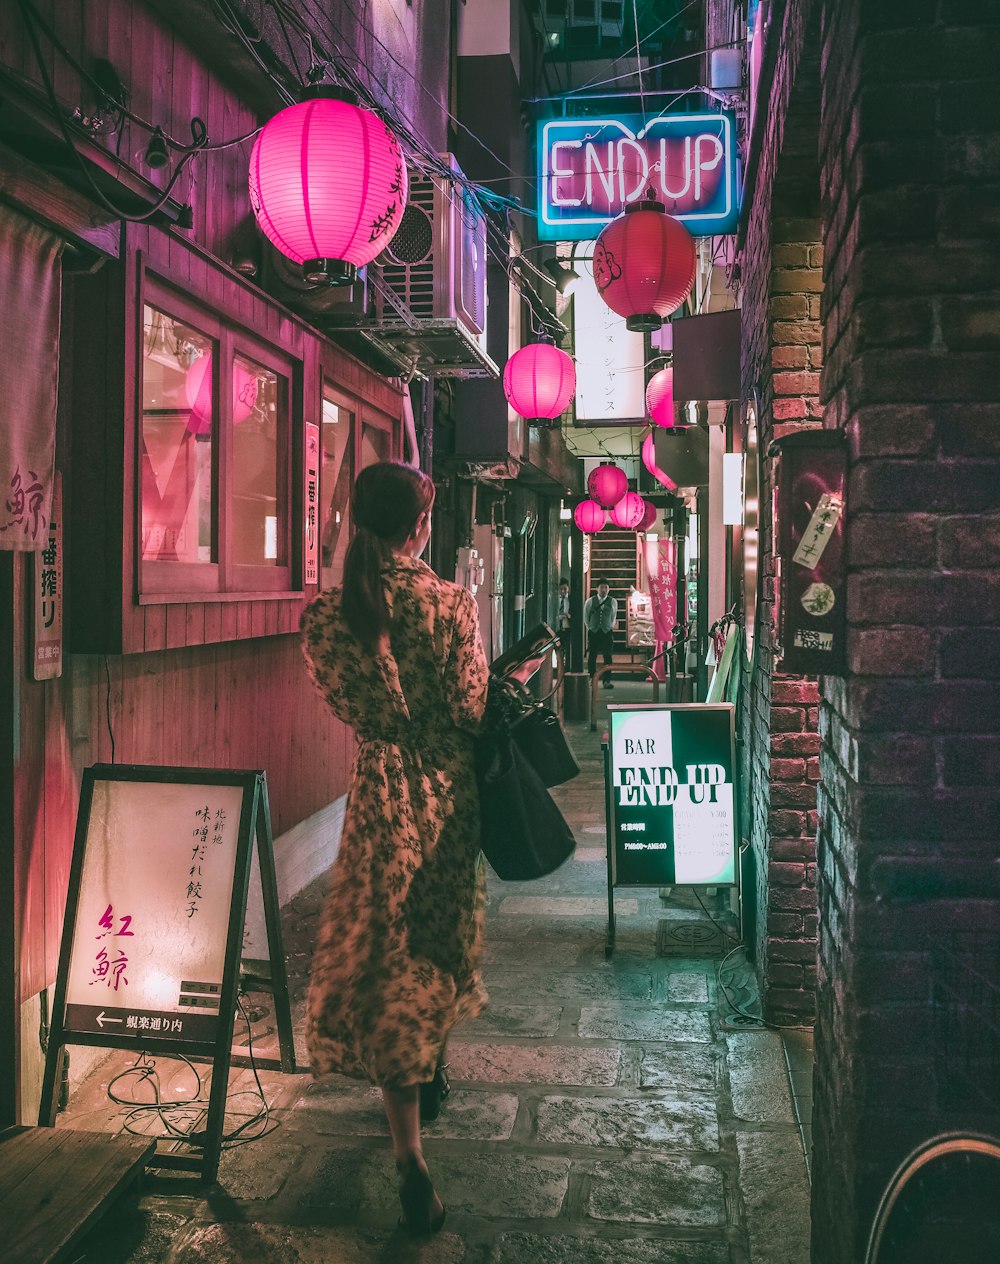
<point x="215" y="458"/>
<point x="176" y="441"/>
<point x="335" y="478"/>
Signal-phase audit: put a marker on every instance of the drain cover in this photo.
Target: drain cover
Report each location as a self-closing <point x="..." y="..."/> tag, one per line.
<point x="689" y="939"/>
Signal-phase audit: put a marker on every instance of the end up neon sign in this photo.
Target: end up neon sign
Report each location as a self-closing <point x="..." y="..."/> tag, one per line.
<point x="590" y="169"/>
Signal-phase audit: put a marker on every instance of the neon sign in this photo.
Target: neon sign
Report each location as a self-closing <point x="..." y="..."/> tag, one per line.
<point x="591" y="169"/>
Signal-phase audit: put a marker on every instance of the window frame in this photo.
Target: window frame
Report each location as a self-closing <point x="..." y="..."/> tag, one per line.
<point x="222" y="580"/>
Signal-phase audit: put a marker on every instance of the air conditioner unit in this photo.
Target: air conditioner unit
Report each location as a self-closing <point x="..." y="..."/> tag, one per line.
<point x="436" y="262"/>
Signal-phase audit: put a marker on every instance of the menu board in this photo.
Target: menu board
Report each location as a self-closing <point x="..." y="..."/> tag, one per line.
<point x="672" y="795"/>
<point x="153" y="908"/>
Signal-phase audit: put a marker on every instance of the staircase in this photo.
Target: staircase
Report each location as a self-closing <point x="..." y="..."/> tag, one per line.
<point x="613" y="557"/>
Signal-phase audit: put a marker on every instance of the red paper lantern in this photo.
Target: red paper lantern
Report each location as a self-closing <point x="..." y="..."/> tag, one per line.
<point x="629" y="511"/>
<point x="607" y="484"/>
<point x="649" y="461"/>
<point x="539" y="380"/>
<point x="660" y="397"/>
<point x="649" y="518"/>
<point x="589" y="516"/>
<point x="644" y="264"/>
<point x="328" y="185"/>
<point x="198" y="389"/>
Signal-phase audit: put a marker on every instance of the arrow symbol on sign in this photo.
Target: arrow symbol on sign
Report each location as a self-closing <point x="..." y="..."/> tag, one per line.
<point x="102" y="1019"/>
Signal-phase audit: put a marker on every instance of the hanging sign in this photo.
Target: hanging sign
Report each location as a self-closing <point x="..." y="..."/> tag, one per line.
<point x="47" y="583"/>
<point x="671" y="795"/>
<point x="810" y="483"/>
<point x="609" y="362"/>
<point x="311" y="554"/>
<point x="590" y="169"/>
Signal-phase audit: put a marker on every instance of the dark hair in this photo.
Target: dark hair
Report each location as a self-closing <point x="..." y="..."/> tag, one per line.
<point x="602" y="581"/>
<point x="565" y="581"/>
<point x="387" y="500"/>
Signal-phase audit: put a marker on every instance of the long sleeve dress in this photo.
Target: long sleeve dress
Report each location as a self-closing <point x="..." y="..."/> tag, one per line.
<point x="398" y="953"/>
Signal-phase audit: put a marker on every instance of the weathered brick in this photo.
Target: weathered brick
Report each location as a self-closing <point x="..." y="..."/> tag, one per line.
<point x="971" y="323"/>
<point x="786" y="873"/>
<point x="788" y="719"/>
<point x="892" y="539"/>
<point x="793" y="848"/>
<point x="784" y="974"/>
<point x="789" y="924"/>
<point x="890" y="651"/>
<point x="796" y="281"/>
<point x="790" y="358"/>
<point x="788" y="769"/>
<point x="971" y="761"/>
<point x="792" y="689"/>
<point x="789" y="307"/>
<point x="970" y="541"/>
<point x="804" y="383"/>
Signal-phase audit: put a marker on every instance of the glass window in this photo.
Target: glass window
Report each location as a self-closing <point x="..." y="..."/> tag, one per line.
<point x="259" y="535"/>
<point x="335" y="479"/>
<point x="177" y="441"/>
<point x="376" y="445"/>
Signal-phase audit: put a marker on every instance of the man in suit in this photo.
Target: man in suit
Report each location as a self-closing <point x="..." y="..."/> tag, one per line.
<point x="600" y="615"/>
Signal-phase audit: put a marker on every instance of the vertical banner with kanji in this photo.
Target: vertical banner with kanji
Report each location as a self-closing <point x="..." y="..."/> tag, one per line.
<point x="811" y="482"/>
<point x="47" y="596"/>
<point x="311" y="552"/>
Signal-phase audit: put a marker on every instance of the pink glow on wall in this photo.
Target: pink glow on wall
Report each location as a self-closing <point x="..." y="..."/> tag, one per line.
<point x="649" y="461"/>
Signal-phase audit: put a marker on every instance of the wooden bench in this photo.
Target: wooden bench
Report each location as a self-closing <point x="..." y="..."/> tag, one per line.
<point x="56" y="1183"/>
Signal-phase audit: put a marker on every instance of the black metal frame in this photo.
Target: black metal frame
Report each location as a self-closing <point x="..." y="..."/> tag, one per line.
<point x="255" y="824"/>
<point x="609" y="807"/>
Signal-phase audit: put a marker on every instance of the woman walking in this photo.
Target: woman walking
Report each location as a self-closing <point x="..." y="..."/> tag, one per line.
<point x="396" y="653"/>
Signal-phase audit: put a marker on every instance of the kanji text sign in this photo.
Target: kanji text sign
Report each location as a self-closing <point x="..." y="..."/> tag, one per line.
<point x="672" y="795"/>
<point x="590" y="169"/>
<point x="153" y="911"/>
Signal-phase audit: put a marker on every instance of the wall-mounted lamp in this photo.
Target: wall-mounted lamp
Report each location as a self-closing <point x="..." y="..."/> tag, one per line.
<point x="732" y="489"/>
<point x="565" y="276"/>
<point x="156" y="155"/>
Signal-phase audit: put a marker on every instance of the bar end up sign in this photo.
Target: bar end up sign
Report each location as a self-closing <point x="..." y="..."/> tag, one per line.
<point x="590" y="169"/>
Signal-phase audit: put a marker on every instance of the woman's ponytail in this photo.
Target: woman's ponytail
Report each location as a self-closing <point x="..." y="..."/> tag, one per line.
<point x="388" y="499"/>
<point x="363" y="603"/>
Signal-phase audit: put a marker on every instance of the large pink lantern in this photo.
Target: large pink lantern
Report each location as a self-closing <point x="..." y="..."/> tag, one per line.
<point x="644" y="264"/>
<point x="607" y="484"/>
<point x="649" y="461"/>
<point x="589" y="516"/>
<point x="629" y="511"/>
<point x="539" y="381"/>
<point x="198" y="389"/>
<point x="328" y="185"/>
<point x="660" y="397"/>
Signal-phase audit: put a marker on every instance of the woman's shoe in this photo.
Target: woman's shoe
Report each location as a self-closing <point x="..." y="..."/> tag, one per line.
<point x="433" y="1094"/>
<point x="417" y="1198"/>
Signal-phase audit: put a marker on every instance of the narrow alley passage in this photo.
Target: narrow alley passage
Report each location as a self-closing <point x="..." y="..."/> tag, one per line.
<point x="600" y="1111"/>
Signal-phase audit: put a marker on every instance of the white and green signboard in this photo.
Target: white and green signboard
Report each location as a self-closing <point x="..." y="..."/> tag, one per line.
<point x="671" y="795"/>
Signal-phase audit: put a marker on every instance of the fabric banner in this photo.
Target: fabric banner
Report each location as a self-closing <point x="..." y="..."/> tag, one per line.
<point x="30" y="281"/>
<point x="661" y="567"/>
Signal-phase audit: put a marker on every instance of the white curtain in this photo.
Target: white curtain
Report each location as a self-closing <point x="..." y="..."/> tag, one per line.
<point x="30" y="288"/>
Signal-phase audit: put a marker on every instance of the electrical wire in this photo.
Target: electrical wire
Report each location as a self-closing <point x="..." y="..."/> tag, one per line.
<point x="661" y="65"/>
<point x="178" y="1116"/>
<point x="120" y="106"/>
<point x="638" y="62"/>
<point x="646" y="40"/>
<point x="198" y="132"/>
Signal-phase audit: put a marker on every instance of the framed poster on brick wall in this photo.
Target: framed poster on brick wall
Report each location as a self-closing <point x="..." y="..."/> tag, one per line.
<point x="812" y="592"/>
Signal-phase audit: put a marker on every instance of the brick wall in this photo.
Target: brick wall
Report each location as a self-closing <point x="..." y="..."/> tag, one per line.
<point x="909" y="808"/>
<point x="781" y="262"/>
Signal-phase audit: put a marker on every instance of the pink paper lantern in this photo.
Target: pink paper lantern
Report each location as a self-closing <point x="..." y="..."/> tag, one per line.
<point x="629" y="511"/>
<point x="198" y="389"/>
<point x="660" y="397"/>
<point x="589" y="516"/>
<point x="649" y="461"/>
<point x="607" y="484"/>
<point x="539" y="380"/>
<point x="328" y="185"/>
<point x="644" y="264"/>
<point x="649" y="518"/>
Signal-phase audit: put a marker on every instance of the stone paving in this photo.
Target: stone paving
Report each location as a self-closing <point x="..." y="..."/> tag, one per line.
<point x="603" y="1112"/>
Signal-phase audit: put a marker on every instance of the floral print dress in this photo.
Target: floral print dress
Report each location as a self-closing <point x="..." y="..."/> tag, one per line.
<point x="397" y="960"/>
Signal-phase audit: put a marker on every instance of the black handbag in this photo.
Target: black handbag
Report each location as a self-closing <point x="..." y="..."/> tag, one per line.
<point x="542" y="741"/>
<point x="522" y="832"/>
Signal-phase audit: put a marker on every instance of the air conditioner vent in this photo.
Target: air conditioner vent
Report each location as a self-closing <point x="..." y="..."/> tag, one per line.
<point x="414" y="239"/>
